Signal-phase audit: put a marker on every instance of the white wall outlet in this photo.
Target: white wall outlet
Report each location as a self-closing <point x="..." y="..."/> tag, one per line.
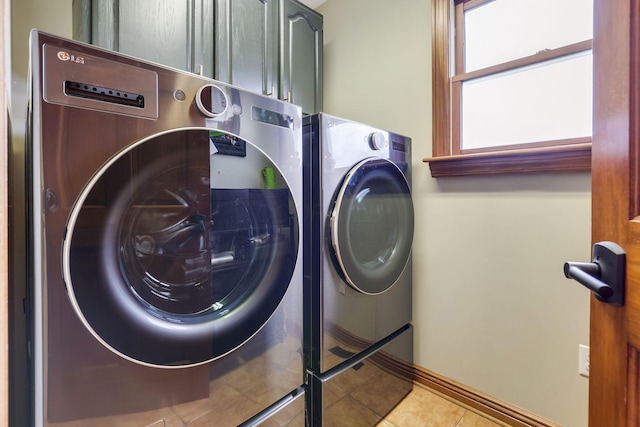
<point x="583" y="360"/>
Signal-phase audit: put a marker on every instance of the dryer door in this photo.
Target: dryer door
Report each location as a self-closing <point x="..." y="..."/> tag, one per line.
<point x="176" y="253"/>
<point x="372" y="225"/>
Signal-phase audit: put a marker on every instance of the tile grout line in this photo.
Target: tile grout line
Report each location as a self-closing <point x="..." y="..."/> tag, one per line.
<point x="459" y="423"/>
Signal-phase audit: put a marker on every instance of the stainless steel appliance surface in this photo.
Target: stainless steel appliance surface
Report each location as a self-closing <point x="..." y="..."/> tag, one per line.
<point x="357" y="260"/>
<point x="163" y="268"/>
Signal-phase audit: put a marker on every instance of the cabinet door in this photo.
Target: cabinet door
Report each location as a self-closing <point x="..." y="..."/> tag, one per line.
<point x="203" y="38"/>
<point x="301" y="56"/>
<point x="247" y="44"/>
<point x="178" y="34"/>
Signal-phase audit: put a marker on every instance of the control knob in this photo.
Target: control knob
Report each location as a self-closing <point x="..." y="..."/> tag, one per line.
<point x="211" y="101"/>
<point x="378" y="140"/>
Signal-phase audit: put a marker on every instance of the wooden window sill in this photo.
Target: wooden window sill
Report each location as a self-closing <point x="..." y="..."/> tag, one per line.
<point x="567" y="158"/>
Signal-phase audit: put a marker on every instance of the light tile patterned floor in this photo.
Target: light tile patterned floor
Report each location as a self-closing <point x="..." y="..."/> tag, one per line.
<point x="348" y="402"/>
<point x="238" y="399"/>
<point x="421" y="408"/>
<point x="424" y="408"/>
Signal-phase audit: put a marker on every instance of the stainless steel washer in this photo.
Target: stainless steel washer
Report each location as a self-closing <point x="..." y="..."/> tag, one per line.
<point x="163" y="217"/>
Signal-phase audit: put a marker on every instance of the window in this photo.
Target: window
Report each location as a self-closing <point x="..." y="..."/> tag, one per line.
<point x="518" y="96"/>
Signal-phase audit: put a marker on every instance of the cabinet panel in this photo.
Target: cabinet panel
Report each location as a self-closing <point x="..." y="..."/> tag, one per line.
<point x="273" y="47"/>
<point x="166" y="43"/>
<point x="203" y="38"/>
<point x="247" y="44"/>
<point x="178" y="34"/>
<point x="301" y="56"/>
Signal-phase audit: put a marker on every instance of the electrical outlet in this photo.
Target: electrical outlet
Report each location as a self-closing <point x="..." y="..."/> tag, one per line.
<point x="583" y="360"/>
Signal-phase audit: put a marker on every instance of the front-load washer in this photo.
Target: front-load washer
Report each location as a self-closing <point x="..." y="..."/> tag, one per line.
<point x="163" y="255"/>
<point x="357" y="267"/>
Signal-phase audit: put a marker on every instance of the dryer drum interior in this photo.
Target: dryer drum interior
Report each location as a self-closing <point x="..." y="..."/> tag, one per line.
<point x="167" y="271"/>
<point x="372" y="225"/>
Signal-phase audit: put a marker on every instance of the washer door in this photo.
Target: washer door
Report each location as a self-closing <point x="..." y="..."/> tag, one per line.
<point x="372" y="225"/>
<point x="167" y="269"/>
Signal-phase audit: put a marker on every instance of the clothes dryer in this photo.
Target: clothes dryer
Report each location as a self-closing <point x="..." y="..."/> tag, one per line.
<point x="358" y="288"/>
<point x="164" y="267"/>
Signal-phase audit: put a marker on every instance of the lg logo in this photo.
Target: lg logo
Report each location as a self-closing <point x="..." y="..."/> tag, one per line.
<point x="66" y="56"/>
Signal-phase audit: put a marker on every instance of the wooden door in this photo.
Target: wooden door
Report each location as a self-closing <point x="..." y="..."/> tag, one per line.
<point x="614" y="384"/>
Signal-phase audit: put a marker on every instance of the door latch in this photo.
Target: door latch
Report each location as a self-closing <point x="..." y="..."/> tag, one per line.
<point x="605" y="275"/>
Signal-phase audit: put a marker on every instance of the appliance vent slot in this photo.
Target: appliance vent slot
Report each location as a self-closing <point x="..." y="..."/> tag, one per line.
<point x="114" y="96"/>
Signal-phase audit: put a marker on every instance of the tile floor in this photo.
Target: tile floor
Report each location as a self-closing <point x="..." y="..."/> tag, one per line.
<point x="355" y="393"/>
<point x="421" y="408"/>
<point x="424" y="408"/>
<point x="360" y="398"/>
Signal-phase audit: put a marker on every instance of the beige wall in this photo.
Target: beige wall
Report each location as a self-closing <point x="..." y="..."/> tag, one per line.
<point x="492" y="308"/>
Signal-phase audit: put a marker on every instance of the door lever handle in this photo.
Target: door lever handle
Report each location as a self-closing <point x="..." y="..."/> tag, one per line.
<point x="604" y="276"/>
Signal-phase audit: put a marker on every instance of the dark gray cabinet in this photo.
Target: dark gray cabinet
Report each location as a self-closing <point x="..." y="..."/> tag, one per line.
<point x="273" y="47"/>
<point x="179" y="34"/>
<point x="301" y="56"/>
<point x="246" y="44"/>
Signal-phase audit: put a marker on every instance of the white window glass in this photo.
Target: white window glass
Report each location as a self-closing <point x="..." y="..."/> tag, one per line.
<point x="504" y="30"/>
<point x="543" y="102"/>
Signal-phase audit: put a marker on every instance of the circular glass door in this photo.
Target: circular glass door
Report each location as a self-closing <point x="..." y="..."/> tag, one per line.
<point x="168" y="261"/>
<point x="372" y="225"/>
